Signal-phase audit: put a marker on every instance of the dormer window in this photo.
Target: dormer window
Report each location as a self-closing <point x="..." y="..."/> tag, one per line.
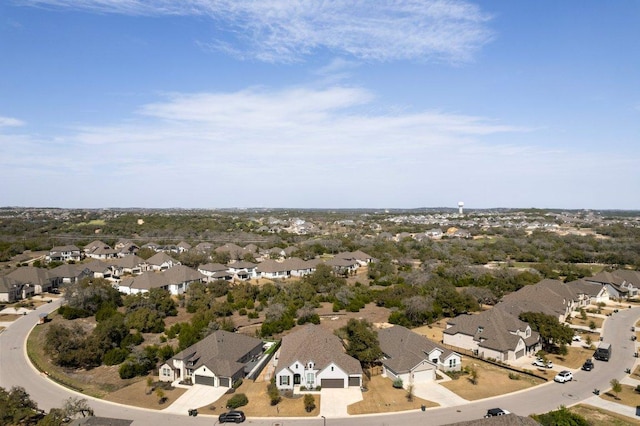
<point x="480" y="329"/>
<point x="310" y="365"/>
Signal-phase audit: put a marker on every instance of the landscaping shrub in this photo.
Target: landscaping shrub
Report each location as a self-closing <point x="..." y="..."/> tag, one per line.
<point x="397" y="383"/>
<point x="237" y="400"/>
<point x="237" y="383"/>
<point x="309" y="403"/>
<point x="274" y="394"/>
<point x="115" y="356"/>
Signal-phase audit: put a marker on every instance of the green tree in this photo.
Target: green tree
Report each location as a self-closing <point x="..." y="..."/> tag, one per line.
<point x="16" y="406"/>
<point x="616" y="387"/>
<point x="363" y="342"/>
<point x="560" y="417"/>
<point x="552" y="332"/>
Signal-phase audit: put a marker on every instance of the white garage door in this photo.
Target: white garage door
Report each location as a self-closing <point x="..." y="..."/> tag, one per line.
<point x="423" y="376"/>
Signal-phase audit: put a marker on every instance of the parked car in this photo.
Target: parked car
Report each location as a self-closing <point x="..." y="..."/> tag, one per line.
<point x="563" y="377"/>
<point x="576" y="338"/>
<point x="539" y="362"/>
<point x="492" y="412"/>
<point x="588" y="365"/>
<point x="234" y="416"/>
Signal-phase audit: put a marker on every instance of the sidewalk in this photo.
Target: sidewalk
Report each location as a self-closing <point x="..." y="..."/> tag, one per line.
<point x="624" y="410"/>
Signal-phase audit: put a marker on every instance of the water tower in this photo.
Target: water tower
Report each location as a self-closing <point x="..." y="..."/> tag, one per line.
<point x="460" y="207"/>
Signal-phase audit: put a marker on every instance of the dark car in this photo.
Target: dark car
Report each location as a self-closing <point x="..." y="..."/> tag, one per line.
<point x="235" y="416"/>
<point x="492" y="412"/>
<point x="588" y="365"/>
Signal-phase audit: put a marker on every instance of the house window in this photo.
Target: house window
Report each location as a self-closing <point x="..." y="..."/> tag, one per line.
<point x="310" y="378"/>
<point x="332" y="368"/>
<point x="284" y="380"/>
<point x="453" y="362"/>
<point x="166" y="371"/>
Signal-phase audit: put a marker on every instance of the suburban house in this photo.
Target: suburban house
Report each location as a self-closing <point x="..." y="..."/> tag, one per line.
<point x="341" y="265"/>
<point x="40" y="279"/>
<point x="10" y="291"/>
<point x="242" y="270"/>
<point x="161" y="261"/>
<point x="130" y="264"/>
<point x="99" y="250"/>
<point x="492" y="334"/>
<point x="359" y="256"/>
<point x="64" y="254"/>
<point x="126" y="247"/>
<point x="215" y="271"/>
<point x="621" y="284"/>
<point x="590" y="293"/>
<point x="235" y="251"/>
<point x="313" y="356"/>
<point x="176" y="280"/>
<point x="413" y="358"/>
<point x="551" y="297"/>
<point x="100" y="269"/>
<point x="217" y="360"/>
<point x="293" y="266"/>
<point x="70" y="274"/>
<point x="183" y="246"/>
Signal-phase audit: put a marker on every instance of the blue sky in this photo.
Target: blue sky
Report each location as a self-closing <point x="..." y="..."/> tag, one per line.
<point x="314" y="104"/>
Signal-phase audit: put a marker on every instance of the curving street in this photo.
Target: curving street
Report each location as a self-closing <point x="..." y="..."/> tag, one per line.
<point x="15" y="369"/>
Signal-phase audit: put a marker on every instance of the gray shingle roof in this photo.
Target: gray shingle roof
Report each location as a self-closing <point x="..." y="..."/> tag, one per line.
<point x="220" y="352"/>
<point x="493" y="329"/>
<point x="406" y="349"/>
<point x="314" y="343"/>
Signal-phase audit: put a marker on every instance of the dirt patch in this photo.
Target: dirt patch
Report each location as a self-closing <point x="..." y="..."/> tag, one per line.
<point x="140" y="395"/>
<point x="382" y="397"/>
<point x="335" y="320"/>
<point x="599" y="417"/>
<point x="574" y="358"/>
<point x="492" y="381"/>
<point x="260" y="405"/>
<point x="9" y="317"/>
<point x="587" y="323"/>
<point x="432" y="331"/>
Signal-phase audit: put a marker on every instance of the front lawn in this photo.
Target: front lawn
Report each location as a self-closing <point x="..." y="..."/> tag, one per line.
<point x="260" y="405"/>
<point x="382" y="397"/>
<point x="492" y="380"/>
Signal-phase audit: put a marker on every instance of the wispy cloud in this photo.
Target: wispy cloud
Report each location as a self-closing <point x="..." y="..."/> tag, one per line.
<point x="10" y="122"/>
<point x="288" y="30"/>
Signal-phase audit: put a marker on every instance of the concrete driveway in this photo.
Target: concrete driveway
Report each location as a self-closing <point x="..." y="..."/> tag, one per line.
<point x="432" y="391"/>
<point x="334" y="402"/>
<point x="196" y="396"/>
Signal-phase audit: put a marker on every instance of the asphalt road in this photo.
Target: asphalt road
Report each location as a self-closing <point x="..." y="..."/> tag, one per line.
<point x="15" y="369"/>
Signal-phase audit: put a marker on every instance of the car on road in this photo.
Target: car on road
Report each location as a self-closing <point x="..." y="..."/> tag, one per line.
<point x="588" y="365"/>
<point x="492" y="412"/>
<point x="233" y="416"/>
<point x="563" y="377"/>
<point x="539" y="362"/>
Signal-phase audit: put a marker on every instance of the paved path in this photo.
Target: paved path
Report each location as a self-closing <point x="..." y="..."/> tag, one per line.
<point x="334" y="402"/>
<point x="196" y="396"/>
<point x="437" y="393"/>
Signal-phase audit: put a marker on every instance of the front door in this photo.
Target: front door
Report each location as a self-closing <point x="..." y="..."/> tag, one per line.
<point x="296" y="379"/>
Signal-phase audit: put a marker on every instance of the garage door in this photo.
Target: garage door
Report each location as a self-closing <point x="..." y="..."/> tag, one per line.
<point x="205" y="380"/>
<point x="225" y="381"/>
<point x="424" y="376"/>
<point x="332" y="383"/>
<point x="519" y="354"/>
<point x="354" y="381"/>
